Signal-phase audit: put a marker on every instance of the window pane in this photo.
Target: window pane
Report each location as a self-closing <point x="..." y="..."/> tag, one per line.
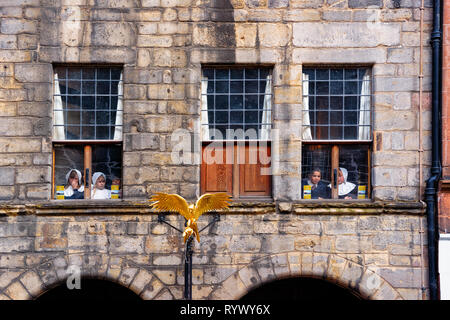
<point x="251" y="102"/>
<point x="102" y="132"/>
<point x="103" y="74"/>
<point x="108" y="160"/>
<point x="222" y="117"/>
<point x="67" y="158"/>
<point x="74" y="87"/>
<point x="233" y="90"/>
<point x="102" y="87"/>
<point x="322" y="87"/>
<point x="251" y="73"/>
<point x="322" y="74"/>
<point x="88" y="89"/>
<point x="222" y="102"/>
<point x="222" y="87"/>
<point x="336" y="87"/>
<point x="237" y="102"/>
<point x="237" y="74"/>
<point x="88" y="117"/>
<point x="236" y="117"/>
<point x="102" y="117"/>
<point x="354" y="158"/>
<point x="88" y="74"/>
<point x="236" y="86"/>
<point x="88" y="133"/>
<point x="251" y="86"/>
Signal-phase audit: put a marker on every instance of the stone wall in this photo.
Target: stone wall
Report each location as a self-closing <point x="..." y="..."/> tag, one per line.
<point x="162" y="46"/>
<point x="379" y="256"/>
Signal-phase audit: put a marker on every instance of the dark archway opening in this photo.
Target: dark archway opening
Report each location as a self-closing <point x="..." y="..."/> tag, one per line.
<point x="301" y="289"/>
<point x="90" y="289"/>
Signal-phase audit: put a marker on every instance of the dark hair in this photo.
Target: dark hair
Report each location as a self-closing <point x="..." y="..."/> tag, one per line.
<point x="73" y="174"/>
<point x="316" y="169"/>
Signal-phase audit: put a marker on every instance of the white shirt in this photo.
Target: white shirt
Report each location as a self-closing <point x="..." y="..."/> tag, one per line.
<point x="100" y="194"/>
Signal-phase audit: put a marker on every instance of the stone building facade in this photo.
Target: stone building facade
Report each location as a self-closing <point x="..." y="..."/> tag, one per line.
<point x="375" y="247"/>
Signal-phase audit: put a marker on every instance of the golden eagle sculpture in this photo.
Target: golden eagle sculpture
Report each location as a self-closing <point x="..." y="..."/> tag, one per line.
<point x="176" y="203"/>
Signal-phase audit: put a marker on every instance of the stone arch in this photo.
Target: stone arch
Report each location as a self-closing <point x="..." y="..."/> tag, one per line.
<point x="35" y="281"/>
<point x="333" y="268"/>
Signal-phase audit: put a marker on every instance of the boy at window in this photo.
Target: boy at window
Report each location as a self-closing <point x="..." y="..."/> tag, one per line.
<point x="319" y="189"/>
<point x="73" y="189"/>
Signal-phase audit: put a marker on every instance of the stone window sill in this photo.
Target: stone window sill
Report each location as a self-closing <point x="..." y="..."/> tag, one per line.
<point x="122" y="207"/>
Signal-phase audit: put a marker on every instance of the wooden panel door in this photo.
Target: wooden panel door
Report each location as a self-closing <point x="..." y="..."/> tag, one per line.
<point x="255" y="177"/>
<point x="216" y="175"/>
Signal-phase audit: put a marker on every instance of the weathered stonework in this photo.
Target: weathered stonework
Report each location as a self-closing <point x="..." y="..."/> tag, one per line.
<point x="162" y="46"/>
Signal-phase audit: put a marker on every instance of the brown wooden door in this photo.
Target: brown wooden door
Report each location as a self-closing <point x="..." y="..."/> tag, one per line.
<point x="255" y="177"/>
<point x="215" y="173"/>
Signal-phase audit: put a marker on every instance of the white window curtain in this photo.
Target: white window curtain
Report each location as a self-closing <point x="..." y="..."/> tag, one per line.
<point x="119" y="114"/>
<point x="306" y="128"/>
<point x="364" y="114"/>
<point x="58" y="112"/>
<point x="204" y="111"/>
<point x="267" y="110"/>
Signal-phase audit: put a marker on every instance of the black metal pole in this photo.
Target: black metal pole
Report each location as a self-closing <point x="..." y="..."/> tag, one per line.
<point x="431" y="186"/>
<point x="188" y="269"/>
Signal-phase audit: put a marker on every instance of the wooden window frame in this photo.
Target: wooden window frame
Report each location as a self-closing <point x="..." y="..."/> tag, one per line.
<point x="235" y="174"/>
<point x="87" y="161"/>
<point x="335" y="144"/>
<point x="89" y="143"/>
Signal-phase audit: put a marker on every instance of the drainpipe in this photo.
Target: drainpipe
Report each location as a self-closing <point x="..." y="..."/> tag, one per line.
<point x="432" y="182"/>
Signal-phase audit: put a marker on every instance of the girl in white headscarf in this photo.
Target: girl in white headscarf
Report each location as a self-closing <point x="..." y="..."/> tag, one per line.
<point x="98" y="188"/>
<point x="73" y="188"/>
<point x="346" y="190"/>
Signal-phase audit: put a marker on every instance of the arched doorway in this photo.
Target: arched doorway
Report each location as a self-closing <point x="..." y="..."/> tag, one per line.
<point x="90" y="289"/>
<point x="301" y="288"/>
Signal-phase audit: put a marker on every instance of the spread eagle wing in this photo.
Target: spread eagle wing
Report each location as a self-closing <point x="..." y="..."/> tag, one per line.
<point x="171" y="203"/>
<point x="210" y="202"/>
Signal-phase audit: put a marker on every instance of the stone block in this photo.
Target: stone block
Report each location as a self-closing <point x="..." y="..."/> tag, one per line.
<point x="8" y="42"/>
<point x="220" y="35"/>
<point x="154" y="41"/>
<point x="169" y="58"/>
<point x="384" y="177"/>
<point x="166" y="92"/>
<point x="16" y="26"/>
<point x="7" y="176"/>
<point x="246" y="35"/>
<point x="337" y="34"/>
<point x="337" y="15"/>
<point x="338" y="55"/>
<point x="267" y="30"/>
<point x="301" y="15"/>
<point x="17" y="291"/>
<point x="365" y="3"/>
<point x="306" y="3"/>
<point x="33" y="175"/>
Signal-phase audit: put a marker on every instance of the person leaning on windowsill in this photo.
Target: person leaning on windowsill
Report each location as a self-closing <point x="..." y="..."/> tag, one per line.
<point x="319" y="189"/>
<point x="73" y="189"/>
<point x="346" y="190"/>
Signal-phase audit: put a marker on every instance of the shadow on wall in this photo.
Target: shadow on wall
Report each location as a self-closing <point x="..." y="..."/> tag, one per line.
<point x="297" y="289"/>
